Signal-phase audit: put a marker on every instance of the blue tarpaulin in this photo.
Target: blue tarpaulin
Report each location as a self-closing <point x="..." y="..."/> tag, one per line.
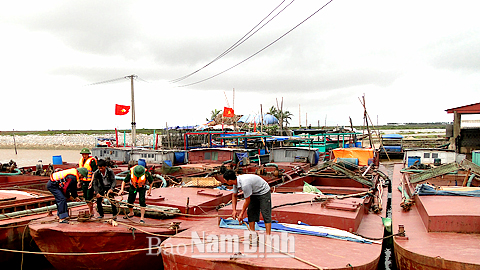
<point x="425" y="189"/>
<point x="392" y="136"/>
<point x="268" y="119"/>
<point x="279" y="227"/>
<point x="241" y="156"/>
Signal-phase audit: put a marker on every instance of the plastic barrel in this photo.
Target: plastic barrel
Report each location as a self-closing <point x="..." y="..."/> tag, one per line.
<point x="411" y="160"/>
<point x="142" y="162"/>
<point x="179" y="157"/>
<point x="57" y="160"/>
<point x="358" y="144"/>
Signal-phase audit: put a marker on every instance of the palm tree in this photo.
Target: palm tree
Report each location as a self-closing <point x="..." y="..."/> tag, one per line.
<point x="282" y="117"/>
<point x="214" y="114"/>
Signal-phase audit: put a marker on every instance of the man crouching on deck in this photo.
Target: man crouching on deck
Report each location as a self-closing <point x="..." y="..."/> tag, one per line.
<point x="256" y="192"/>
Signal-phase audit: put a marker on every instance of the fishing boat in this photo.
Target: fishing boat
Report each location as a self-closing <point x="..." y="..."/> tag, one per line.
<point x="126" y="243"/>
<point x="435" y="213"/>
<point x="320" y="230"/>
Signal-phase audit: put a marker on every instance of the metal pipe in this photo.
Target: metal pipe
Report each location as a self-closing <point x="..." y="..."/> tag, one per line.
<point x="469" y="183"/>
<point x="35" y="211"/>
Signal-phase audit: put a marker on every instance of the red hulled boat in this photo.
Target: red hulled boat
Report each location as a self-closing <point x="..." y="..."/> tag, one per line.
<point x="202" y="247"/>
<point x="442" y="229"/>
<point x="125" y="246"/>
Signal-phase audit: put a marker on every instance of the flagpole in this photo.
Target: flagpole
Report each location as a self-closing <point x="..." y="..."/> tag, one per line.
<point x="134" y="132"/>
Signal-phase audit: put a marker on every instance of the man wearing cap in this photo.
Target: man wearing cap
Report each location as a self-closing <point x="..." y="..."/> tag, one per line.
<point x="63" y="185"/>
<point x="137" y="178"/>
<point x="90" y="163"/>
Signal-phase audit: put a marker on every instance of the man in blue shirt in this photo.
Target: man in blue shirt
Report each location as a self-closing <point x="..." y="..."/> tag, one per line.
<point x="256" y="193"/>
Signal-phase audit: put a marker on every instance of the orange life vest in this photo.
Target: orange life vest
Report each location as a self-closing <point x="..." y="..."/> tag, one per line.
<point x="137" y="181"/>
<point x="87" y="165"/>
<point x="62" y="174"/>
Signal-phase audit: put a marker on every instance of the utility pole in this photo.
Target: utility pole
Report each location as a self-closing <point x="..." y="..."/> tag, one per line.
<point x="134" y="132"/>
<point x="299" y="117"/>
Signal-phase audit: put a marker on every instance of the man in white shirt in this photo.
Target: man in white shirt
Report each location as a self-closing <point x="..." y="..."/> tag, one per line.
<point x="256" y="193"/>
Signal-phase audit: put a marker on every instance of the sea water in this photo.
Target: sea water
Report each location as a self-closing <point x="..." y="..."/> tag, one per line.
<point x="31" y="157"/>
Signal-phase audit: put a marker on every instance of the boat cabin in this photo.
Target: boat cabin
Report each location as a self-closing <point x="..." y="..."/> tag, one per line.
<point x="295" y="154"/>
<point x="432" y="156"/>
<point x="159" y="156"/>
<point x="219" y="155"/>
<point x="117" y="154"/>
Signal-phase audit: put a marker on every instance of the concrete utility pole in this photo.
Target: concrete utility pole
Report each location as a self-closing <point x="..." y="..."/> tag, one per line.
<point x="134" y="131"/>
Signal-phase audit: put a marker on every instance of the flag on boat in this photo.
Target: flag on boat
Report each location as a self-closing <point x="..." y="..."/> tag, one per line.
<point x="228" y="112"/>
<point x="121" y="109"/>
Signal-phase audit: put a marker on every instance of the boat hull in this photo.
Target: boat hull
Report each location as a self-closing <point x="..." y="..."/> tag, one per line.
<point x="435" y="230"/>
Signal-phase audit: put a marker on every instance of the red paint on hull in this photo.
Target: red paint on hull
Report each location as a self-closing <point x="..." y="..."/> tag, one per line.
<point x="324" y="252"/>
<point x="428" y="246"/>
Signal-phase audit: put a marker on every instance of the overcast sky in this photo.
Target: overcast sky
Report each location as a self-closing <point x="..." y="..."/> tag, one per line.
<point x="411" y="59"/>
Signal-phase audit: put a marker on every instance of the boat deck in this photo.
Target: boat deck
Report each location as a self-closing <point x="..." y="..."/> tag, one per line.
<point x="425" y="250"/>
<point x="189" y="200"/>
<point x="315" y="251"/>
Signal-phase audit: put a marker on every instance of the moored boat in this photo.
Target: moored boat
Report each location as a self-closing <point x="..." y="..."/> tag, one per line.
<point x="101" y="245"/>
<point x="347" y="212"/>
<point x="437" y="211"/>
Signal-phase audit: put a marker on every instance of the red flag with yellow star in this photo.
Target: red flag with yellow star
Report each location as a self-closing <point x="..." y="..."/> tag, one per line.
<point x="228" y="112"/>
<point x="121" y="109"/>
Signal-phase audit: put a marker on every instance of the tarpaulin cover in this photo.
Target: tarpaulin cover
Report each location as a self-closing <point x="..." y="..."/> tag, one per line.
<point x="268" y="119"/>
<point x="241" y="156"/>
<point x="300" y="228"/>
<point x="179" y="157"/>
<point x="392" y="136"/>
<point x="426" y="189"/>
<point x="361" y="153"/>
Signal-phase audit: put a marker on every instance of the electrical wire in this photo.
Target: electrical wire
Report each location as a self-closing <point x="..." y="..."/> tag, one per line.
<point x="259" y="51"/>
<point x="238" y="42"/>
<point x="108" y="81"/>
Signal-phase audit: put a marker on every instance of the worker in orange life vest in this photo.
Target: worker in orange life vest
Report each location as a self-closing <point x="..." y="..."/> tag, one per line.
<point x="90" y="163"/>
<point x="138" y="178"/>
<point x="63" y="185"/>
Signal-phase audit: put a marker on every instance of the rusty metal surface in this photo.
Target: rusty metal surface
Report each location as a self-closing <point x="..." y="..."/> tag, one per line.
<point x="323" y="252"/>
<point x="441" y="170"/>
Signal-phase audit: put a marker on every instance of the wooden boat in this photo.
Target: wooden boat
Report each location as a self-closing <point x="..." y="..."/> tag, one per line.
<point x="441" y="232"/>
<point x="298" y="251"/>
<point x="130" y="244"/>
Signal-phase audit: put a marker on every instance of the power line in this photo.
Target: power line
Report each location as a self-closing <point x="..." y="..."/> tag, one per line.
<point x="238" y="43"/>
<point x="259" y="51"/>
<point x="135" y="77"/>
<point x="108" y="81"/>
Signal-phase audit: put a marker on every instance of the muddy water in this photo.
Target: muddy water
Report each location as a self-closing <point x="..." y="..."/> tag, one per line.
<point x="28" y="157"/>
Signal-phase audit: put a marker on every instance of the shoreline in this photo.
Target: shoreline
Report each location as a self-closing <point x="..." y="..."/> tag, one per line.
<point x="62" y="141"/>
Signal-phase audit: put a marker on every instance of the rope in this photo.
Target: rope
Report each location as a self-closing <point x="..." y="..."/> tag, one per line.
<point x="380" y="238"/>
<point x="164" y="211"/>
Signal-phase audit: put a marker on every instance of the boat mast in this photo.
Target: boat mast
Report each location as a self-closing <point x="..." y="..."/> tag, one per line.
<point x="134" y="141"/>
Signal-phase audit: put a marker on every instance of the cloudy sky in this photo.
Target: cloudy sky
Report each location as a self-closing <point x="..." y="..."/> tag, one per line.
<point x="411" y="60"/>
